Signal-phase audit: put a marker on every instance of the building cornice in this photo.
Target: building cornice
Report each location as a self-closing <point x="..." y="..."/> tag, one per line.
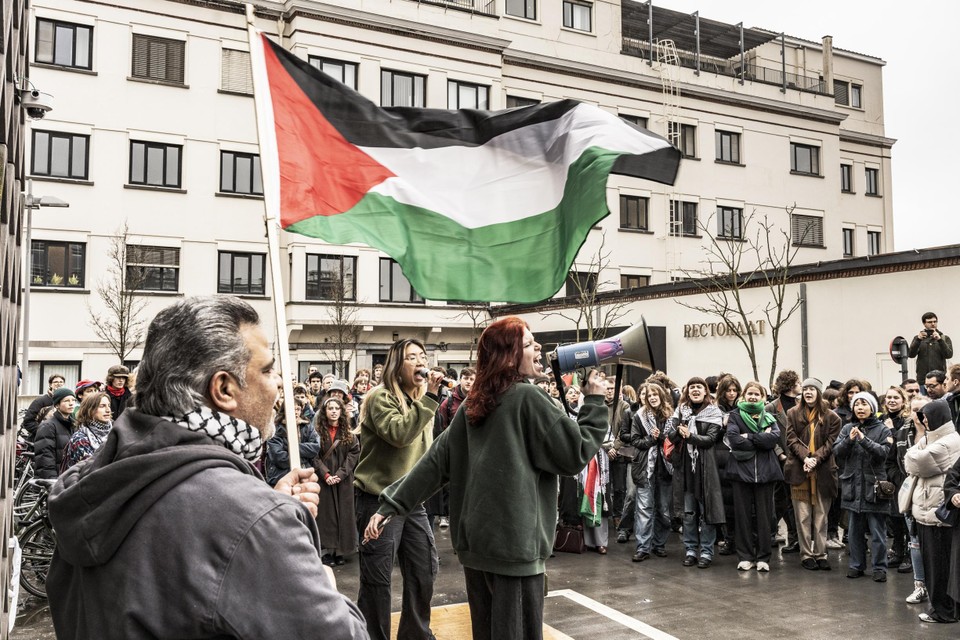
<point x="589" y="71"/>
<point x="868" y="139"/>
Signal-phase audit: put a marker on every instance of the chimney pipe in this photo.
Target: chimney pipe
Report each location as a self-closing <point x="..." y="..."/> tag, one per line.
<point x="828" y="64"/>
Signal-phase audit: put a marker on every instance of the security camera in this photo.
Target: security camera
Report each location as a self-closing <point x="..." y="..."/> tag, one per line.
<point x="35" y="103"/>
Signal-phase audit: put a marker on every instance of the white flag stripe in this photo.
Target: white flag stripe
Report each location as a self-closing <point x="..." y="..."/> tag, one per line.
<point x="513" y="176"/>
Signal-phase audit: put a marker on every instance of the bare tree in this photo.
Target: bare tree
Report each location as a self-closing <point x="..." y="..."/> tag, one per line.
<point x="589" y="313"/>
<point x="120" y="322"/>
<point x="342" y="313"/>
<point x="478" y="313"/>
<point x="756" y="253"/>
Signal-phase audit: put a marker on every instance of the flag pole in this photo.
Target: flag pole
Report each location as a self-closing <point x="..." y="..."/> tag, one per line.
<point x="270" y="169"/>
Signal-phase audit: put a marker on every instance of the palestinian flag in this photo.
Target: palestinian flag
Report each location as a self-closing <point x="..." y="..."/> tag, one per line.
<point x="474" y="205"/>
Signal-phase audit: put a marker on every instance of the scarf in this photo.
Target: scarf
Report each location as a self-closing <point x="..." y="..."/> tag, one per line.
<point x="233" y="433"/>
<point x="116" y="393"/>
<point x="754" y="416"/>
<point x="96" y="432"/>
<point x="649" y="421"/>
<point x="806" y="490"/>
<point x="84" y="443"/>
<point x="592" y="481"/>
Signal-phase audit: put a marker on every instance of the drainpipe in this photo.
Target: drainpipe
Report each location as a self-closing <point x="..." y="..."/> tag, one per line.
<point x="828" y="64"/>
<point x="804" y="342"/>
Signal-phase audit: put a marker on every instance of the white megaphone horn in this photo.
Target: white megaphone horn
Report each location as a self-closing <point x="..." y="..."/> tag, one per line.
<point x="631" y="347"/>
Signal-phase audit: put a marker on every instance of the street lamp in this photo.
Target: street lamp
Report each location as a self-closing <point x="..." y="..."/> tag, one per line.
<point x="31" y="202"/>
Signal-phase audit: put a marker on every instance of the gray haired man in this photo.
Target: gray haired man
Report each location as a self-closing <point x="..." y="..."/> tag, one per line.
<point x="169" y="532"/>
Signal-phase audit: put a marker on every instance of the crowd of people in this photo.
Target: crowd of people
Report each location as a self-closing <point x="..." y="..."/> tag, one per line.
<point x="406" y="448"/>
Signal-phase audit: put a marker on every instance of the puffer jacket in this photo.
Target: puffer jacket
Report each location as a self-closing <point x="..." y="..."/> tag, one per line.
<point x="862" y="464"/>
<point x="929" y="460"/>
<point x="53" y="436"/>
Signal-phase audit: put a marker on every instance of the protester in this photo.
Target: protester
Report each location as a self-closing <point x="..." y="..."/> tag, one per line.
<point x="510" y="437"/>
<point x="30" y="422"/>
<point x="934" y="384"/>
<point x="339" y="451"/>
<point x="786" y="389"/>
<point x="94" y="421"/>
<point x="729" y="391"/>
<point x="120" y="394"/>
<point x="896" y="413"/>
<point x="623" y="450"/>
<point x="951" y="496"/>
<point x="168" y="531"/>
<point x="652" y="472"/>
<point x="278" y="452"/>
<point x="909" y="434"/>
<point x="931" y="348"/>
<point x="53" y="435"/>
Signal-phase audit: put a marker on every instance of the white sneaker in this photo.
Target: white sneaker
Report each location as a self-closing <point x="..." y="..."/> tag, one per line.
<point x="919" y="595"/>
<point x="444" y="523"/>
<point x="745" y="565"/>
<point x="763" y="566"/>
<point x="834" y="543"/>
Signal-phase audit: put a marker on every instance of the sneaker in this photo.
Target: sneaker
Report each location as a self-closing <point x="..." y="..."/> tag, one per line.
<point x="823" y="564"/>
<point x="745" y="565"/>
<point x="854" y="573"/>
<point x="622" y="536"/>
<point x="444" y="522"/>
<point x="641" y="556"/>
<point x="905" y="567"/>
<point x="763" y="567"/>
<point x="810" y="564"/>
<point x="919" y="594"/>
<point x="926" y="617"/>
<point x="879" y="576"/>
<point x="834" y="543"/>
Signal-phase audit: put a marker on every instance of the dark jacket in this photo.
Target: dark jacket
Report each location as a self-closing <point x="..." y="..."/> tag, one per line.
<point x="930" y="354"/>
<point x="167" y="534"/>
<point x="518" y="451"/>
<point x="894" y="474"/>
<point x="951" y="487"/>
<point x="647" y="445"/>
<point x="762" y="466"/>
<point x="278" y="454"/>
<point x="50" y="445"/>
<point x="861" y="464"/>
<point x="119" y="403"/>
<point x="30" y="424"/>
<point x="707" y="477"/>
<point x="798" y="448"/>
<point x="449" y="406"/>
<point x="336" y="517"/>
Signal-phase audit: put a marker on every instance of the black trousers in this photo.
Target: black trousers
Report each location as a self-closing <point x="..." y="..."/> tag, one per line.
<point x="935" y="547"/>
<point x="900" y="538"/>
<point x="618" y="485"/>
<point x="504" y="607"/>
<point x="752" y="504"/>
<point x="783" y="507"/>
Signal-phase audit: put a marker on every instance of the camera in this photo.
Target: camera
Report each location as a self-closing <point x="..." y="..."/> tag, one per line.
<point x="929" y="332"/>
<point x="35" y="103"/>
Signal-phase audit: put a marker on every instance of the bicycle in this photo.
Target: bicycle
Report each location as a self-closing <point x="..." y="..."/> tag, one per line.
<point x="37" y="540"/>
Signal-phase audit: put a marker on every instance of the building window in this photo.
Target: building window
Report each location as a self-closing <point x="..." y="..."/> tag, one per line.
<point x="324" y="367"/>
<point x="61" y="155"/>
<point x="728" y="147"/>
<point x="241" y="273"/>
<point x="522" y="9"/>
<point x="846" y="178"/>
<point x="634" y="213"/>
<point x="40" y="371"/>
<point x="236" y="75"/>
<point x="579" y="282"/>
<point x="331" y="277"/>
<point x="848" y="243"/>
<point x="514" y="102"/>
<point x="577" y="15"/>
<point x="847" y="93"/>
<point x="153" y="268"/>
<point x="806" y="231"/>
<point x="730" y="223"/>
<point x="394" y="286"/>
<point x="804" y="158"/>
<point x="57" y="264"/>
<point x="345" y="72"/>
<point x="240" y="173"/>
<point x="155" y="164"/>
<point x="873" y="243"/>
<point x="399" y="89"/>
<point x="856" y="96"/>
<point x="64" y="44"/>
<point x="465" y="95"/>
<point x="640" y="121"/>
<point x="158" y="58"/>
<point x="684" y="138"/>
<point x="633" y="282"/>
<point x="873" y="181"/>
<point x="683" y="218"/>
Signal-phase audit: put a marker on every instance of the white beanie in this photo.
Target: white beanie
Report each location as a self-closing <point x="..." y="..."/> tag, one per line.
<point x="866" y="397"/>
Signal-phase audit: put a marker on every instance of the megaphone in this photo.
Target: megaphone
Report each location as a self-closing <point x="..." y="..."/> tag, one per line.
<point x="631" y="347"/>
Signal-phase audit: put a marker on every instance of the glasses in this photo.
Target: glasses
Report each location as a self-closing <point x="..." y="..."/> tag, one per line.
<point x="414" y="359"/>
<point x="932" y="386"/>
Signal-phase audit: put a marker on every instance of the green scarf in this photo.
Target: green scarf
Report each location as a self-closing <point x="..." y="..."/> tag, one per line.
<point x="750" y="409"/>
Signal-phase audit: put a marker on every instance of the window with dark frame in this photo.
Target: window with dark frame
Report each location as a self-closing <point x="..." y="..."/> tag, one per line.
<point x="159" y="59"/>
<point x="521" y="9"/>
<point x="466" y="95"/>
<point x="684" y="137"/>
<point x="628" y="281"/>
<point x="846" y="178"/>
<point x="240" y="173"/>
<point x="57" y="264"/>
<point x="241" y="273"/>
<point x="728" y="147"/>
<point x="730" y="223"/>
<point x="634" y="213"/>
<point x="399" y="89"/>
<point x="806" y="231"/>
<point x="873" y="181"/>
<point x="856" y="96"/>
<point x="64" y="44"/>
<point x="805" y="159"/>
<point x="640" y="121"/>
<point x="683" y="218"/>
<point x="515" y="101"/>
<point x="579" y="282"/>
<point x="60" y="155"/>
<point x="345" y="72"/>
<point x="331" y="277"/>
<point x="41" y="370"/>
<point x="847" y="243"/>
<point x="153" y="268"/>
<point x="394" y="286"/>
<point x="155" y="164"/>
<point x="577" y="15"/>
<point x="873" y="243"/>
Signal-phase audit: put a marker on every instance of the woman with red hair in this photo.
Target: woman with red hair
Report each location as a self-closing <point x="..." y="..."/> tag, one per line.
<point x="501" y="457"/>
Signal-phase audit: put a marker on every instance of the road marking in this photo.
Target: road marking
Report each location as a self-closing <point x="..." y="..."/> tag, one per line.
<point x="621" y="618"/>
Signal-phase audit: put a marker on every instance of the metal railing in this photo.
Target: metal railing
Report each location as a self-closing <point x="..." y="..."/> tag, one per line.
<point x="485" y="7"/>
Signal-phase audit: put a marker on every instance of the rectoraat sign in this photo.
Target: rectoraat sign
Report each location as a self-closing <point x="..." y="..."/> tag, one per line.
<point x="715" y="329"/>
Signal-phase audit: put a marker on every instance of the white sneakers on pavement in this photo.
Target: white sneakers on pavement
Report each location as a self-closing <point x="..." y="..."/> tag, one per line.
<point x="745" y="565"/>
<point x="763" y="566"/>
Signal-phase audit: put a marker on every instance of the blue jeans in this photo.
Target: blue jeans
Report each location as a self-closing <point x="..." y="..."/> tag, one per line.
<point x="914" y="546"/>
<point x="696" y="531"/>
<point x="651" y="520"/>
<point x="859" y="523"/>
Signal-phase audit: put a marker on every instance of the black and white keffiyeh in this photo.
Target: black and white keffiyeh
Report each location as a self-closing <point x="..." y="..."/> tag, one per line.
<point x="233" y="433"/>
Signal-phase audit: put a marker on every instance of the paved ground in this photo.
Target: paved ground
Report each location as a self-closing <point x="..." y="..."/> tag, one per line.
<point x="609" y="596"/>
